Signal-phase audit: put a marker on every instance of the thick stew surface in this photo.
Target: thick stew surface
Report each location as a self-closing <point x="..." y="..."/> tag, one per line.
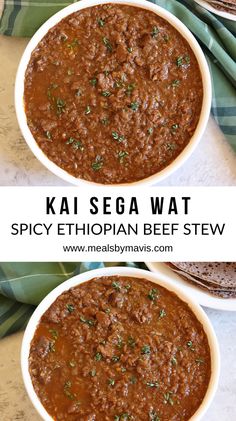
<point x="113" y="94"/>
<point x="120" y="348"/>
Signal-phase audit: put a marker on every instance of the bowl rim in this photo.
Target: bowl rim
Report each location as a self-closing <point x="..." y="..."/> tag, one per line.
<point x="162" y="280"/>
<point x="143" y="4"/>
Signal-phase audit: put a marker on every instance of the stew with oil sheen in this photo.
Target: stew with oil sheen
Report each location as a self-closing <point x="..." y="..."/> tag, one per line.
<point x="113" y="94"/>
<point x="120" y="348"/>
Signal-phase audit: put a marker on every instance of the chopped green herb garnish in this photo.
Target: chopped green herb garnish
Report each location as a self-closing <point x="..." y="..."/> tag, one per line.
<point x="155" y="31"/>
<point x="134" y="106"/>
<point x="60" y="106"/>
<point x="122" y="417"/>
<point x="116" y="286"/>
<point x="150" y="130"/>
<point x="146" y="349"/>
<point x="123" y="369"/>
<point x="130" y="49"/>
<point x="170" y="146"/>
<point x="98" y="164"/>
<point x="52" y="346"/>
<point x="190" y="345"/>
<point x="101" y="23"/>
<point x="119" y="342"/>
<point x="92" y="372"/>
<point x="70" y="308"/>
<point x="54" y="333"/>
<point x="98" y="356"/>
<point x="162" y="313"/>
<point x="108" y="310"/>
<point x="106" y="93"/>
<point x="131" y="342"/>
<point x="174" y="126"/>
<point x="106" y="72"/>
<point x="152" y="384"/>
<point x="173" y="361"/>
<point x="187" y="59"/>
<point x="70" y="141"/>
<point x="105" y="121"/>
<point x="175" y="83"/>
<point x="179" y="61"/>
<point x="115" y="358"/>
<point x="94" y="81"/>
<point x="111" y="382"/>
<point x="48" y="135"/>
<point x="153" y="416"/>
<point x="78" y="145"/>
<point x="130" y="88"/>
<point x="168" y="398"/>
<point x="166" y="38"/>
<point x="87" y="110"/>
<point x="78" y="92"/>
<point x="67" y="392"/>
<point x="153" y="294"/>
<point x="122" y="155"/>
<point x="89" y="322"/>
<point x="73" y="44"/>
<point x="107" y="44"/>
<point x="133" y="379"/>
<point x="117" y="137"/>
<point x="127" y="287"/>
<point x="51" y="88"/>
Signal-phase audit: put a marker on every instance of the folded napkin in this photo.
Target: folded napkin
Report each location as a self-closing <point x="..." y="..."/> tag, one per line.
<point x="216" y="35"/>
<point x="24" y="285"/>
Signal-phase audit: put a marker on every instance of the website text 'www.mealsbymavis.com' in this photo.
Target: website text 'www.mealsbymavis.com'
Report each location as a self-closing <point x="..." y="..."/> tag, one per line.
<point x="115" y="248"/>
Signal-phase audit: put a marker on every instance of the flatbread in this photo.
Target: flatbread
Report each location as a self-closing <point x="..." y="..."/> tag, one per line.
<point x="219" y="273"/>
<point x="216" y="291"/>
<point x="225" y="7"/>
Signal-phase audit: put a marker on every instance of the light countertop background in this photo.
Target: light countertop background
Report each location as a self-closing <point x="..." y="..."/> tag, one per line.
<point x="16" y="406"/>
<point x="213" y="162"/>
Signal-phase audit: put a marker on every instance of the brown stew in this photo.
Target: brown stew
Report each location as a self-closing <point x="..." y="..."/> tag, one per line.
<point x="120" y="348"/>
<point x="113" y="94"/>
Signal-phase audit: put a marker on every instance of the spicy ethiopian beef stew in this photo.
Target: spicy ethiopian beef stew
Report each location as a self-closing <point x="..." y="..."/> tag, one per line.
<point x="120" y="348"/>
<point x="113" y="94"/>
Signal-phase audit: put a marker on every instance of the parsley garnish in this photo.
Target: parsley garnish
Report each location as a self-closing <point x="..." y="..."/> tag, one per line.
<point x="98" y="164"/>
<point x="101" y="23"/>
<point x="155" y="31"/>
<point x="107" y="44"/>
<point x="87" y="110"/>
<point x="175" y="83"/>
<point x="146" y="349"/>
<point x="122" y="155"/>
<point x="134" y="106"/>
<point x="117" y="137"/>
<point x="98" y="356"/>
<point x="94" y="81"/>
<point x="106" y="93"/>
<point x="70" y="308"/>
<point x="152" y="384"/>
<point x="153" y="294"/>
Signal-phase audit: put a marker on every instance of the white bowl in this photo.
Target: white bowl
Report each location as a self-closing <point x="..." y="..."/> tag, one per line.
<point x="176" y="23"/>
<point x="121" y="271"/>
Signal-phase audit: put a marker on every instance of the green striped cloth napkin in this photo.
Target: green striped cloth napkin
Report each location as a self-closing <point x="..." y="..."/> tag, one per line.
<point x="24" y="285"/>
<point x="216" y="35"/>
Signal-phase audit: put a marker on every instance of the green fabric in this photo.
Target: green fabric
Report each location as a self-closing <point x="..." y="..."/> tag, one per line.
<point x="24" y="285"/>
<point x="216" y="35"/>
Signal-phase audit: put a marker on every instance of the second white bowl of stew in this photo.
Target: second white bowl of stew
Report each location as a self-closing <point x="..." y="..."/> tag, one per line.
<point x="120" y="344"/>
